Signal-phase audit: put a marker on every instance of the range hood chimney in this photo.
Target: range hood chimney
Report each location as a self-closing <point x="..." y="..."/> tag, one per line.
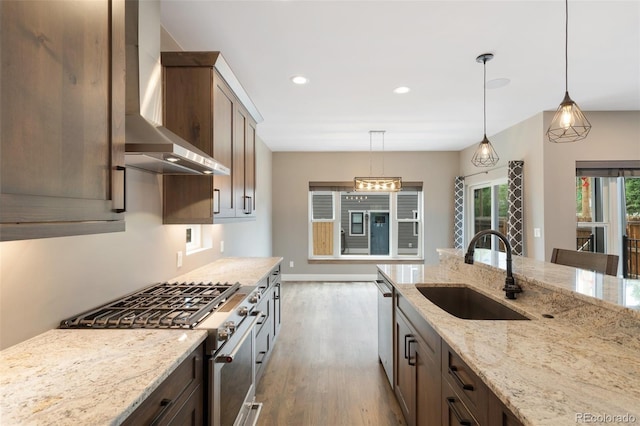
<point x="149" y="146"/>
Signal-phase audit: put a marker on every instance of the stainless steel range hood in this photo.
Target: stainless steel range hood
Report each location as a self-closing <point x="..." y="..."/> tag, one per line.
<point x="149" y="146"/>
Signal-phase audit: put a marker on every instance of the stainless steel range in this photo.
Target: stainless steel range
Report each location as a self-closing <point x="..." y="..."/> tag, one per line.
<point x="226" y="311"/>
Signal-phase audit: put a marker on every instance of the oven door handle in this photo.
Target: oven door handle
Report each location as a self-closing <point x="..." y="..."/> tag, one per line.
<point x="229" y="358"/>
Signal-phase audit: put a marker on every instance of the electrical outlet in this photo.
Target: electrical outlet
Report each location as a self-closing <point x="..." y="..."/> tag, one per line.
<point x="291" y="264"/>
<point x="179" y="259"/>
<point x="536" y="232"/>
<point x="221" y="246"/>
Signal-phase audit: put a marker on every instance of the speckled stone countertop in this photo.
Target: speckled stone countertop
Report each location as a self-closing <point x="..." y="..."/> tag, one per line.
<point x="245" y="270"/>
<point x="99" y="377"/>
<point x="87" y="377"/>
<point x="583" y="362"/>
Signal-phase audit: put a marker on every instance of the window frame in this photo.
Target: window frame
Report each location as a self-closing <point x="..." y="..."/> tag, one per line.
<point x="417" y="218"/>
<point x="362" y="213"/>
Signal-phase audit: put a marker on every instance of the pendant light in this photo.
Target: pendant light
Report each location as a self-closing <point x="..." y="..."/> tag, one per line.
<point x="569" y="123"/>
<point x="485" y="155"/>
<point x="376" y="184"/>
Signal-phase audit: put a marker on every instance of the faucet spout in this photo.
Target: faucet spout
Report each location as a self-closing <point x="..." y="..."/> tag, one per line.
<point x="511" y="288"/>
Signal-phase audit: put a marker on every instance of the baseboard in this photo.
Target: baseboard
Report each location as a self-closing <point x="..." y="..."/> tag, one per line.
<point x="329" y="277"/>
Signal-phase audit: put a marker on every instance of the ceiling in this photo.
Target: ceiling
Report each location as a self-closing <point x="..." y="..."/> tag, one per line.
<point x="355" y="53"/>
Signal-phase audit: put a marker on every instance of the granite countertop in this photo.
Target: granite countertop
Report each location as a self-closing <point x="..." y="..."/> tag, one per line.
<point x="246" y="270"/>
<point x="584" y="361"/>
<point x="99" y="377"/>
<point x="87" y="377"/>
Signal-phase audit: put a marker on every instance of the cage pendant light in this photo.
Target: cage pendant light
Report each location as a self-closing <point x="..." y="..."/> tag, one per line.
<point x="485" y="155"/>
<point x="569" y="123"/>
<point x="380" y="183"/>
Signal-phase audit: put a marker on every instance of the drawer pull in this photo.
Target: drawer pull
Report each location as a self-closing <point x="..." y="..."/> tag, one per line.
<point x="453" y="371"/>
<point x="451" y="402"/>
<point x="261" y="354"/>
<point x="410" y="357"/>
<point x="166" y="405"/>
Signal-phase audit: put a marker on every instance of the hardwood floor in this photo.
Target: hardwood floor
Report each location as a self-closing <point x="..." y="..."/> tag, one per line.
<point x="324" y="369"/>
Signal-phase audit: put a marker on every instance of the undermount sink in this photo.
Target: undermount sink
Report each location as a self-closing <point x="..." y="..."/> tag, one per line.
<point x="466" y="303"/>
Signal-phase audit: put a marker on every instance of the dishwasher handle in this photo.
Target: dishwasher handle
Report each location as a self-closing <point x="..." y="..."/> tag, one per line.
<point x="383" y="288"/>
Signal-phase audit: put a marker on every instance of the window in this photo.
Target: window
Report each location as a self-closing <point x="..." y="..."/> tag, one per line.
<point x="490" y="206"/>
<point x="193" y="238"/>
<point x="349" y="225"/>
<point x="356" y="223"/>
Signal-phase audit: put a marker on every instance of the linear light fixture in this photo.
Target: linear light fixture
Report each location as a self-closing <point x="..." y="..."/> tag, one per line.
<point x="569" y="123"/>
<point x="379" y="183"/>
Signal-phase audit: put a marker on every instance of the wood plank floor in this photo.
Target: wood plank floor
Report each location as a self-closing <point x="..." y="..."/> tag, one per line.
<point x="324" y="369"/>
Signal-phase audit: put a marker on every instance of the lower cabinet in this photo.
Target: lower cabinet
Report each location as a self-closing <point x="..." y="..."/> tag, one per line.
<point x="432" y="384"/>
<point x="269" y="326"/>
<point x="417" y="379"/>
<point x="178" y="400"/>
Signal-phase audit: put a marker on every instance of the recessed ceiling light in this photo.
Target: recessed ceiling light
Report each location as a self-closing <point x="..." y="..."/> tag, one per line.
<point x="172" y="159"/>
<point x="497" y="83"/>
<point x="299" y="79"/>
<point x="401" y="90"/>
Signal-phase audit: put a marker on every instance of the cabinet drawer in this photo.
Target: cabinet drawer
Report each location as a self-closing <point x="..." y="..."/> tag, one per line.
<point x="275" y="275"/>
<point x="263" y="348"/>
<point x="172" y="394"/>
<point x="427" y="333"/>
<point x="466" y="384"/>
<point x="454" y="411"/>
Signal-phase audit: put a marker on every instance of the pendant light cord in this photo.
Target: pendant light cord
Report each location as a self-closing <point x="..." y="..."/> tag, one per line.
<point x="566" y="46"/>
<point x="484" y="99"/>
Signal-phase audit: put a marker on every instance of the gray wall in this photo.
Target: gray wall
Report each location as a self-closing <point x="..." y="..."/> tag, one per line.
<point x="549" y="170"/>
<point x="292" y="172"/>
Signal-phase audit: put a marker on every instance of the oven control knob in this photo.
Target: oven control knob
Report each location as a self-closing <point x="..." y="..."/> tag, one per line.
<point x="243" y="311"/>
<point x="254" y="298"/>
<point x="230" y="325"/>
<point x="223" y="334"/>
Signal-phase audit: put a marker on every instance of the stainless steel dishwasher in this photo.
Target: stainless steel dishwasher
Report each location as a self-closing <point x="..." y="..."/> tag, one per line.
<point x="385" y="326"/>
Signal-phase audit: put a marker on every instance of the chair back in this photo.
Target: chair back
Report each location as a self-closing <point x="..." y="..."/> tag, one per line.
<point x="599" y="262"/>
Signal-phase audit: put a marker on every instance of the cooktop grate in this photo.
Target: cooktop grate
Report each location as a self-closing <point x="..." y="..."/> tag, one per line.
<point x="163" y="305"/>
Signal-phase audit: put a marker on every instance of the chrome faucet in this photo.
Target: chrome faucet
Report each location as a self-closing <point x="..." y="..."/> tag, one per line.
<point x="510" y="286"/>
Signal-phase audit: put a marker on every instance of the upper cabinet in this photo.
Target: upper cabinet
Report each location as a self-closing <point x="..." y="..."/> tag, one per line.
<point x="62" y="106"/>
<point x="202" y="104"/>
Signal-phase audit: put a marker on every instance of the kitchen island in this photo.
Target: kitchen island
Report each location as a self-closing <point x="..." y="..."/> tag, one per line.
<point x="80" y="376"/>
<point x="580" y="366"/>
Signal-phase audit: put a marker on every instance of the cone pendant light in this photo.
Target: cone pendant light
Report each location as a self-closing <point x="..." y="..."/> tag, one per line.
<point x="569" y="123"/>
<point x="485" y="155"/>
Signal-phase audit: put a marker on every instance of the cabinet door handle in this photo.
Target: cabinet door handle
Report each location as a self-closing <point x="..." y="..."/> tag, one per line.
<point x="410" y="357"/>
<point x="406" y="344"/>
<point x="453" y="371"/>
<point x="165" y="404"/>
<point x="261" y="354"/>
<point x="216" y="201"/>
<point x="451" y="402"/>
<point x="124" y="189"/>
<point x="247" y="206"/>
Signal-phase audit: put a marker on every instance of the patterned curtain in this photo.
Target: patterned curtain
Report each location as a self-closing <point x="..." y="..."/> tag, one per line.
<point x="515" y="215"/>
<point x="458" y="218"/>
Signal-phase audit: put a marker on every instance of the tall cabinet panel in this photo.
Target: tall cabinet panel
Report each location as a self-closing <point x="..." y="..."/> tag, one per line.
<point x="201" y="107"/>
<point x="62" y="113"/>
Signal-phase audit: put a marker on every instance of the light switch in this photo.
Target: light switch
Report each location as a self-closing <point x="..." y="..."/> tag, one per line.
<point x="179" y="257"/>
<point x="536" y="232"/>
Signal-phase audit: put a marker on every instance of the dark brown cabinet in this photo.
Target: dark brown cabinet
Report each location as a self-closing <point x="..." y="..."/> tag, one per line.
<point x="179" y="400"/>
<point x="269" y="325"/>
<point x="417" y="378"/>
<point x="201" y="107"/>
<point x="62" y="113"/>
<point x="432" y="383"/>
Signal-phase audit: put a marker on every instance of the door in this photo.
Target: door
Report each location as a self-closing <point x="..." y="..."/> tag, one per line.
<point x="379" y="233"/>
<point x="62" y="113"/>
